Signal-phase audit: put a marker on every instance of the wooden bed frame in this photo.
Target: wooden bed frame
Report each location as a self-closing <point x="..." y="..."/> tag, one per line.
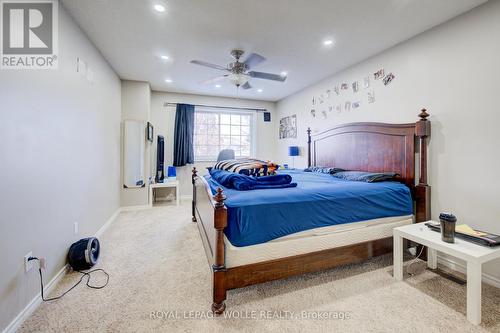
<point x="373" y="147"/>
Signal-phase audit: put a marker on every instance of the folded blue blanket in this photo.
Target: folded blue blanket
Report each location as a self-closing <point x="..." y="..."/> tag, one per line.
<point x="246" y="183"/>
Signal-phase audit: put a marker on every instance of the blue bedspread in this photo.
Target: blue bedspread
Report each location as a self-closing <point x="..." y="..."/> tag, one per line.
<point x="246" y="183"/>
<point x="319" y="200"/>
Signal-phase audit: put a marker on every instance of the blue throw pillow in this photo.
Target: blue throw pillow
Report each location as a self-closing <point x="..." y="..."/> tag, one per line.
<point x="321" y="169"/>
<point x="368" y="177"/>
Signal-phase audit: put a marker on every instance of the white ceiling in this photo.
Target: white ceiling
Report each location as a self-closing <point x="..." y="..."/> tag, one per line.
<point x="289" y="33"/>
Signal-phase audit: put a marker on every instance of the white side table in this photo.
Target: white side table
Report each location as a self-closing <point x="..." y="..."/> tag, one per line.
<point x="167" y="183"/>
<point x="475" y="255"/>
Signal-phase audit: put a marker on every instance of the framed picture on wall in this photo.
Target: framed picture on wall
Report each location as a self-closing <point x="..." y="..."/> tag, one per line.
<point x="149" y="132"/>
<point x="288" y="126"/>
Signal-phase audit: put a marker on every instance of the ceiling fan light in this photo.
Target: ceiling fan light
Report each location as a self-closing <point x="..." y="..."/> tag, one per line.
<point x="238" y="79"/>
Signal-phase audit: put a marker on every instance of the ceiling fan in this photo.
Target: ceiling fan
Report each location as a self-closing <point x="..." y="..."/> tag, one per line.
<point x="240" y="72"/>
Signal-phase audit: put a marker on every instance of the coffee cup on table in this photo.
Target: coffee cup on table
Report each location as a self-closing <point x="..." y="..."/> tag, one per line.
<point x="448" y="222"/>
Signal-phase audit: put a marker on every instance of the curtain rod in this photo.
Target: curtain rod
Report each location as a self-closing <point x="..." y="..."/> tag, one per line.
<point x="219" y="107"/>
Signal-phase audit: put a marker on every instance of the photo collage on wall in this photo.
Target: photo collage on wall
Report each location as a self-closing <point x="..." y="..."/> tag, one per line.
<point x="348" y="96"/>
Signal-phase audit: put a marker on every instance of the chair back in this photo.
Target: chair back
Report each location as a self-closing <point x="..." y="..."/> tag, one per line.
<point x="225" y="154"/>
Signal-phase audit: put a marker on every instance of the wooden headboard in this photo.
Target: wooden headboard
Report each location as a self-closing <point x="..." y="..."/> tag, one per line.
<point x="377" y="147"/>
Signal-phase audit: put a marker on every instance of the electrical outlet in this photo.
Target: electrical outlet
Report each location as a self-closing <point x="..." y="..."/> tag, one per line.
<point x="28" y="265"/>
<point x="43" y="263"/>
<point x="75" y="228"/>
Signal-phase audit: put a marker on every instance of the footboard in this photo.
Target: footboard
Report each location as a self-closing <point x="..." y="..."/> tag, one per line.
<point x="211" y="214"/>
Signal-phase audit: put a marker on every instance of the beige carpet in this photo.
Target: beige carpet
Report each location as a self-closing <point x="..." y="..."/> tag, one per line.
<point x="157" y="264"/>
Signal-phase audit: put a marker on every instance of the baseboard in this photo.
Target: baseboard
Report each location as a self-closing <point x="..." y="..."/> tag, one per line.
<point x="37" y="300"/>
<point x="451" y="264"/>
<point x="108" y="223"/>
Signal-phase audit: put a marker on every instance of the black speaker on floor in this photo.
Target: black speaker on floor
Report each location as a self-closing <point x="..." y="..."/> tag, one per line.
<point x="84" y="253"/>
<point x="160" y="159"/>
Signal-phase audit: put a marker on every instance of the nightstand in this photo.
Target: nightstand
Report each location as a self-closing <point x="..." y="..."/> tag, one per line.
<point x="475" y="255"/>
<point x="166" y="184"/>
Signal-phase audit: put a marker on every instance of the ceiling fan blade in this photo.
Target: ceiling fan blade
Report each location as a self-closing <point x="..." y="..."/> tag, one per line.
<point x="246" y="86"/>
<point x="267" y="76"/>
<point x="207" y="64"/>
<point x="253" y="60"/>
<point x="214" y="79"/>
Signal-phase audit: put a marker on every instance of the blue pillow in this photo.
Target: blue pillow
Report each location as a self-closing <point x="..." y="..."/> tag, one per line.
<point x="368" y="177"/>
<point x="320" y="169"/>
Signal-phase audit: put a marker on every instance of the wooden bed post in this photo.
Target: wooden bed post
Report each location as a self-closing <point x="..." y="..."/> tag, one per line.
<point x="423" y="190"/>
<point x="193" y="203"/>
<point x="308" y="147"/>
<point x="219" y="266"/>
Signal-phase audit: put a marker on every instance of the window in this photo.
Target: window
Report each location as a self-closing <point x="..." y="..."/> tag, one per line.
<point x="214" y="131"/>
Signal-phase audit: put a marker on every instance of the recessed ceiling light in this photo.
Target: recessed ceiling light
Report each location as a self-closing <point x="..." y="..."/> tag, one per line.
<point x="283" y="73"/>
<point x="168" y="80"/>
<point x="164" y="57"/>
<point x="328" y="42"/>
<point x="159" y="8"/>
<point x="217" y="86"/>
<point x="260" y="90"/>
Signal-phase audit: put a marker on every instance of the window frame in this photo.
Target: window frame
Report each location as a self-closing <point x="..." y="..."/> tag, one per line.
<point x="230" y="111"/>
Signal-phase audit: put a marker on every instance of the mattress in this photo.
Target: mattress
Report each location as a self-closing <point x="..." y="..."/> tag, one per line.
<point x="319" y="200"/>
<point x="313" y="240"/>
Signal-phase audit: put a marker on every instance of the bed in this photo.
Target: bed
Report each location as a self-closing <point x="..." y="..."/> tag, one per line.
<point x="262" y="235"/>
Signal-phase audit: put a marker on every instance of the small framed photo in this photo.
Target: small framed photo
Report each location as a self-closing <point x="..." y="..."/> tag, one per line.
<point x="388" y="79"/>
<point x="371" y="96"/>
<point x="149" y="132"/>
<point x="347" y="106"/>
<point x="355" y="86"/>
<point x="378" y="74"/>
<point x="366" y="82"/>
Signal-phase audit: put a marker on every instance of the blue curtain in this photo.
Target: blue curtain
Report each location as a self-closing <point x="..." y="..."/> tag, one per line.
<point x="183" y="135"/>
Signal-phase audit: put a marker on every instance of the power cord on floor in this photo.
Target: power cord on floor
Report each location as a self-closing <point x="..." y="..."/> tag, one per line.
<point x="84" y="274"/>
<point x="413" y="261"/>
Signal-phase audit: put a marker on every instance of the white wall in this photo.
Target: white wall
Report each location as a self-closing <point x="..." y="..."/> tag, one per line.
<point x="135" y="101"/>
<point x="163" y="120"/>
<point x="60" y="156"/>
<point x="453" y="70"/>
